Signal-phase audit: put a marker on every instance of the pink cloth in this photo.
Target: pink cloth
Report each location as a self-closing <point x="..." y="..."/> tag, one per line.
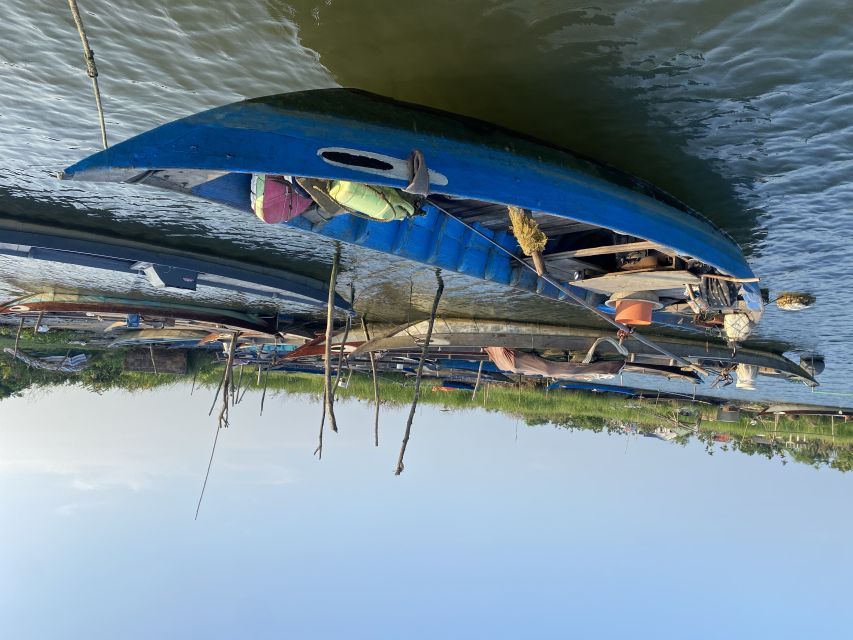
<point x="281" y="202"/>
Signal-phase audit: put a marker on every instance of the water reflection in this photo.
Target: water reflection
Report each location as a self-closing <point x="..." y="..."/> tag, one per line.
<point x="578" y="76"/>
<point x="567" y="377"/>
<point x="741" y="109"/>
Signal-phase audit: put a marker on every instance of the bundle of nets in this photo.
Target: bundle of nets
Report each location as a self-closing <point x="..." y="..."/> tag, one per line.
<point x="527" y="232"/>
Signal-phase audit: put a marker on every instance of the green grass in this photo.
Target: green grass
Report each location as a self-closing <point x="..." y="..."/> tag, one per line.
<point x="536" y="405"/>
<point x="807" y="439"/>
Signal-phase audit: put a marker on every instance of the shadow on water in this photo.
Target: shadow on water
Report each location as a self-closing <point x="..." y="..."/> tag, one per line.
<point x="564" y="75"/>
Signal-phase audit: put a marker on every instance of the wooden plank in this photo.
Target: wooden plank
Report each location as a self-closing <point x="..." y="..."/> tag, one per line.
<point x="565" y="268"/>
<point x="613" y="248"/>
<point x="638" y="281"/>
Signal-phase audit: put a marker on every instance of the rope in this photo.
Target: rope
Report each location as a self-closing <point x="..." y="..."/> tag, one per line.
<point x="91" y="69"/>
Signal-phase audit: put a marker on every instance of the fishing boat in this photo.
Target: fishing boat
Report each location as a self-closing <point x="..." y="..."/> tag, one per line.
<point x="460" y="339"/>
<point x="69" y="304"/>
<point x="163" y="267"/>
<point x="453" y="186"/>
<point x="173" y="338"/>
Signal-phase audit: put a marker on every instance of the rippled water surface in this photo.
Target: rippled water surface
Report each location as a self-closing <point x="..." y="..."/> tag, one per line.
<point x="744" y="110"/>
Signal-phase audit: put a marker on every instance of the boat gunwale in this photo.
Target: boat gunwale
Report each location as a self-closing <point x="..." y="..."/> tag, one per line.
<point x="562" y="167"/>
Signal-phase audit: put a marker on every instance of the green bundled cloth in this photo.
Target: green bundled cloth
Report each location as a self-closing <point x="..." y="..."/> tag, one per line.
<point x="379" y="203"/>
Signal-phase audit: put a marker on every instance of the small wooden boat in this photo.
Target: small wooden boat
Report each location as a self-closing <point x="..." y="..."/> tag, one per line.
<point x="71" y="303"/>
<point x="807" y="410"/>
<point x="460" y="338"/>
<point x="593" y="387"/>
<point x="164" y="267"/>
<point x="166" y="337"/>
<point x="614" y="241"/>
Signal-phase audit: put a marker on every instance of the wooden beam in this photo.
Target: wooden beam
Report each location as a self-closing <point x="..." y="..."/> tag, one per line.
<point x="613" y="248"/>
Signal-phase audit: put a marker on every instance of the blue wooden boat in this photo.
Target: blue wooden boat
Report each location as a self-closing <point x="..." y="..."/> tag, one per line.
<point x="597" y="219"/>
<point x="164" y="267"/>
<point x="459" y="338"/>
<point x="593" y="387"/>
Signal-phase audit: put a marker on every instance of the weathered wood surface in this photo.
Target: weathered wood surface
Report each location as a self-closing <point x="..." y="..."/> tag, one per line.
<point x="638" y="281"/>
<point x="626" y="247"/>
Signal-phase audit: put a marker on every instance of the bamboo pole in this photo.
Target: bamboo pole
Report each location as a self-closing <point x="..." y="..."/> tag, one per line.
<point x="243" y="392"/>
<point x="341" y="358"/>
<point x="18" y="335"/>
<point x="729" y="278"/>
<point x="264" y="393"/>
<point x="236" y="397"/>
<point x="420" y="370"/>
<point x="223" y="415"/>
<point x="227" y="385"/>
<point x="477" y="383"/>
<point x="330" y="325"/>
<point x="216" y="395"/>
<point x="328" y="398"/>
<point x="375" y="387"/>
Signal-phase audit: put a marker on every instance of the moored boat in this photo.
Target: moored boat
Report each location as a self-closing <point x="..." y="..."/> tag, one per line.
<point x="460" y="338"/>
<point x="163" y="267"/>
<point x="613" y="242"/>
<point x="77" y="303"/>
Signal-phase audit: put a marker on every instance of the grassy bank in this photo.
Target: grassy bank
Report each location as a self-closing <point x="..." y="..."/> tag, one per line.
<point x="536" y="405"/>
<point x="817" y="441"/>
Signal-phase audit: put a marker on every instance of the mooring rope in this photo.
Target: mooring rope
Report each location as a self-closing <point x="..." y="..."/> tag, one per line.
<point x="91" y="69"/>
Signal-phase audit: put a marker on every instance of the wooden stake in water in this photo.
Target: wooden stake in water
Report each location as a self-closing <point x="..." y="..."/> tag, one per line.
<point x="91" y="69"/>
<point x="375" y="387"/>
<point x="414" y="406"/>
<point x="18" y="335"/>
<point x="264" y="392"/>
<point x="223" y="417"/>
<point x="341" y="356"/>
<point x="477" y="383"/>
<point x="38" y="323"/>
<point x="328" y="397"/>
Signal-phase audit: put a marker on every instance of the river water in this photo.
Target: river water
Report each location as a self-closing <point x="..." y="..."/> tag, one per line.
<point x="744" y="110"/>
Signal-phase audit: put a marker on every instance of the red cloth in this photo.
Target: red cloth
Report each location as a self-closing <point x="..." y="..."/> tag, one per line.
<point x="281" y="202"/>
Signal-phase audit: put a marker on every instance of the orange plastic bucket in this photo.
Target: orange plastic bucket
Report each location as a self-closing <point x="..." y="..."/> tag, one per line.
<point x="634" y="312"/>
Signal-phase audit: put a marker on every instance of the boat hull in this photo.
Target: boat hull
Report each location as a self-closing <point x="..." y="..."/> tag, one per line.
<point x="71" y="303"/>
<point x="357" y="136"/>
<point x="474" y="334"/>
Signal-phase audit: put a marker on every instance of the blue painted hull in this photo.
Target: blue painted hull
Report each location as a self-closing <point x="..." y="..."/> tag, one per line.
<point x="590" y="386"/>
<point x="292" y="134"/>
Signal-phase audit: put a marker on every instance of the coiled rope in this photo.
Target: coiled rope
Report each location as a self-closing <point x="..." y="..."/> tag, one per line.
<point x="91" y="69"/>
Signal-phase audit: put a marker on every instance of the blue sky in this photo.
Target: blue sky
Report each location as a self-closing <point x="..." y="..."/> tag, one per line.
<point x="550" y="535"/>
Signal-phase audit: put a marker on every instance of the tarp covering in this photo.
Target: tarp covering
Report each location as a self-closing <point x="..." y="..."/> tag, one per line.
<point x="515" y="361"/>
<point x="62" y="364"/>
